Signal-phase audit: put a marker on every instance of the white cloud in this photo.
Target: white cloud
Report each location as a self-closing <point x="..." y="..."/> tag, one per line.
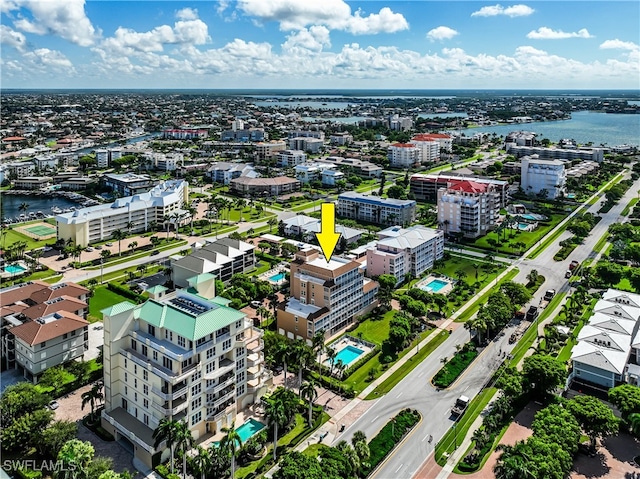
<point x="441" y="33"/>
<point x="546" y="33"/>
<point x="187" y="14"/>
<point x="49" y="58"/>
<point x="334" y="14"/>
<point x="315" y="39"/>
<point x="222" y="6"/>
<point x="12" y="38"/>
<point x="619" y="45"/>
<point x="512" y="11"/>
<point x="184" y="32"/>
<point x="65" y="18"/>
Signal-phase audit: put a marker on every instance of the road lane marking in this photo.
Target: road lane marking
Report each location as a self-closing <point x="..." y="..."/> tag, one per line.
<point x="375" y="418"/>
<point x="401" y="466"/>
<point x="425" y="438"/>
<point x="399" y="394"/>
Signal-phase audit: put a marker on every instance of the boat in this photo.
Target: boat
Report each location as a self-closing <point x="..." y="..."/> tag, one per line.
<point x="56" y="210"/>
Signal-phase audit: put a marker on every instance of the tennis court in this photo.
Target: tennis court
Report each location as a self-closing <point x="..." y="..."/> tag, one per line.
<point x="38" y="230"/>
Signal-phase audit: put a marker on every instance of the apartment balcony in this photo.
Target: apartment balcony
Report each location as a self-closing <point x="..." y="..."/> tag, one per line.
<point x="219" y="401"/>
<point x="255" y="384"/>
<point x="175" y="408"/>
<point x="204" y="346"/>
<point x="222" y="338"/>
<point x="167" y="374"/>
<point x="225" y="366"/>
<point x="163" y="346"/>
<point x="163" y="393"/>
<point x="223" y="412"/>
<point x="254" y="372"/>
<point x="254" y="346"/>
<point x="255" y="359"/>
<point x="222" y="384"/>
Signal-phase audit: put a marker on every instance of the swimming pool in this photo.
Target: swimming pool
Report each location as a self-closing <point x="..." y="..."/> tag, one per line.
<point x="523" y="226"/>
<point x="434" y="285"/>
<point x="246" y="431"/>
<point x="529" y="217"/>
<point x="347" y="355"/>
<point x="277" y="277"/>
<point x="249" y="428"/>
<point x="13" y="269"/>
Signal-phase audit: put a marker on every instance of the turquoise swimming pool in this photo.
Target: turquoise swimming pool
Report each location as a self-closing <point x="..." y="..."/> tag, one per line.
<point x="250" y="428"/>
<point x="246" y="431"/>
<point x="348" y="355"/>
<point x="277" y="277"/>
<point x="14" y="269"/>
<point x="434" y="285"/>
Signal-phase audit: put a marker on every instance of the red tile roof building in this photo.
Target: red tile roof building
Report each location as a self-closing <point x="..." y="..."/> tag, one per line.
<point x="468" y="208"/>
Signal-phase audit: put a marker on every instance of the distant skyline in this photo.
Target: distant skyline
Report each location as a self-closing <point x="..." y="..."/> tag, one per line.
<point x="327" y="44"/>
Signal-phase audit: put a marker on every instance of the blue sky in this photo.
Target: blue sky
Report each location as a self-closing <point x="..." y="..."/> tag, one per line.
<point x="319" y="44"/>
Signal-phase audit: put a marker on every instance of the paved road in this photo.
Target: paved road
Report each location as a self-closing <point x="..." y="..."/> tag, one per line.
<point x="415" y="390"/>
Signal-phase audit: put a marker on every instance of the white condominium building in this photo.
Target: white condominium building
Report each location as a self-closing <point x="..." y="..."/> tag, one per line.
<point x="97" y="223"/>
<point x="468" y="207"/>
<point x="537" y="175"/>
<point x="373" y="209"/>
<point x="288" y="158"/>
<point x="184" y="355"/>
<point x="404" y="155"/>
<point x="405" y="250"/>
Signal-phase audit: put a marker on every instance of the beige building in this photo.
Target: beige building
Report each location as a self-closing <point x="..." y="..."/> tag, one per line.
<point x="268" y="150"/>
<point x="32" y="182"/>
<point x="182" y="355"/>
<point x="97" y="223"/>
<point x="280" y="185"/>
<point x="325" y="296"/>
<point x="468" y="207"/>
<point x="49" y="341"/>
<point x="38" y="321"/>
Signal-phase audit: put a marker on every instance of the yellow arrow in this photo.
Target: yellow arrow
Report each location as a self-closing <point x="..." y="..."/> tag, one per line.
<point x="328" y="238"/>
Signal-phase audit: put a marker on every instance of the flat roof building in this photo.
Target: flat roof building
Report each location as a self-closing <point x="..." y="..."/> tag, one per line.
<point x="246" y="186"/>
<point x="374" y="209"/>
<point x="128" y="184"/>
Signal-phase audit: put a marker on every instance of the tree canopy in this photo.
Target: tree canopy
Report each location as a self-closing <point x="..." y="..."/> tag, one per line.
<point x="627" y="398"/>
<point x="595" y="418"/>
<point x="543" y="373"/>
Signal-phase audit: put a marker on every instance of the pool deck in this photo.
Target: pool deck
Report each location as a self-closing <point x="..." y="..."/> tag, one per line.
<point x="281" y="268"/>
<point x="255" y="412"/>
<point x="343" y="343"/>
<point x="444" y="290"/>
<point x="5" y="275"/>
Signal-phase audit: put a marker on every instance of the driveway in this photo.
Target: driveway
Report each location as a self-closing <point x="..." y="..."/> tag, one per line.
<point x="96" y="340"/>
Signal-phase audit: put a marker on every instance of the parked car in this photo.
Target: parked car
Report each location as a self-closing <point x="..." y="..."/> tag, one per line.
<point x="108" y="244"/>
<point x="53" y="405"/>
<point x="256" y="304"/>
<point x="98" y="247"/>
<point x="154" y="252"/>
<point x="47" y="248"/>
<point x="89" y="249"/>
<point x="568" y="274"/>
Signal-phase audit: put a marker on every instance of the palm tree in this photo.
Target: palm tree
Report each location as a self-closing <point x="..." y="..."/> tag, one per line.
<point x="304" y="358"/>
<point x="24" y="207"/>
<point x="272" y="222"/>
<point x="231" y="442"/>
<point x="184" y="441"/>
<point x="533" y="276"/>
<point x="129" y="225"/>
<point x="192" y="214"/>
<point x="331" y="355"/>
<point x="202" y="462"/>
<point x="91" y="397"/>
<point x="308" y="391"/>
<point x="133" y="245"/>
<point x="118" y="235"/>
<point x="276" y="415"/>
<point x="317" y="344"/>
<point x="167" y="431"/>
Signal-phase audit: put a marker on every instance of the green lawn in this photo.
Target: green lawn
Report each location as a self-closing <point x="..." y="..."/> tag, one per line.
<point x="529" y="238"/>
<point x="374" y="331"/>
<point x="483" y="299"/>
<point x="627" y="208"/>
<point x="13" y="236"/>
<point x="47" y="275"/>
<point x="102" y="298"/>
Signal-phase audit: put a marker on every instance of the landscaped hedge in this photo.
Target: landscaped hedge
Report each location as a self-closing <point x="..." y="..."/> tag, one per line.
<point x="453" y="368"/>
<point x="126" y="292"/>
<point x="361" y="362"/>
<point x="28" y="474"/>
<point x="334" y="385"/>
<point x="164" y="472"/>
<point x="389" y="437"/>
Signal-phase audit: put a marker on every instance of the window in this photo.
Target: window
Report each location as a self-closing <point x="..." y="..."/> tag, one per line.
<point x="196" y="418"/>
<point x="145" y="375"/>
<point x="196" y="404"/>
<point x="65" y="335"/>
<point x="240" y="377"/>
<point x="135" y="383"/>
<point x="155" y="356"/>
<point x="152" y="330"/>
<point x="240" y="364"/>
<point x="211" y="353"/>
<point x="181" y="341"/>
<point x="226" y="345"/>
<point x="43" y="344"/>
<point x="126" y="377"/>
<point x="239" y="351"/>
<point x="73" y="333"/>
<point x="240" y="390"/>
<point x="144" y="350"/>
<point x="125" y="363"/>
<point x="135" y="396"/>
<point x="146" y="419"/>
<point x="168" y="335"/>
<point x="134" y="344"/>
<point x="238" y="324"/>
<point x="145" y="390"/>
<point x="126" y="391"/>
<point x="197" y="389"/>
<point x="210" y="367"/>
<point x="167" y="363"/>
